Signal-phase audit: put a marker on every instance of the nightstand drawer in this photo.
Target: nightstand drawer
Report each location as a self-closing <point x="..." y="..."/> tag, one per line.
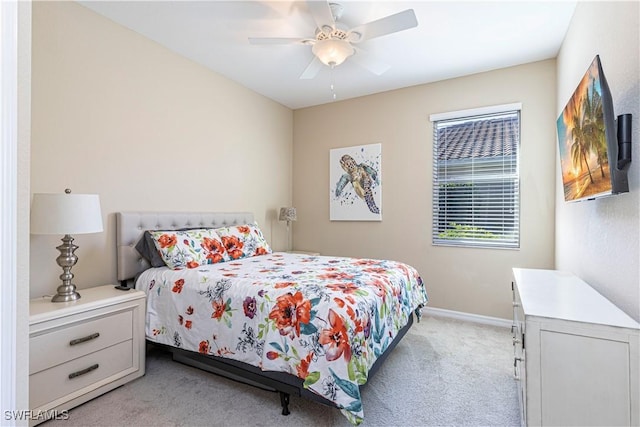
<point x="62" y="380"/>
<point x="76" y="340"/>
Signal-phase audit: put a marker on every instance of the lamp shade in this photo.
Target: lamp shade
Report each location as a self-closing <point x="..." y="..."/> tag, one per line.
<point x="287" y="214"/>
<point x="65" y="214"/>
<point x="332" y="52"/>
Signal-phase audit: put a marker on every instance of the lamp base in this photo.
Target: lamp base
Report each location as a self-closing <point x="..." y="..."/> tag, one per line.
<point x="66" y="294"/>
<point x="66" y="260"/>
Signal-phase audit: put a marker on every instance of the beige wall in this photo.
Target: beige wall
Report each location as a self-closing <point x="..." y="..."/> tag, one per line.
<point x="116" y="114"/>
<point x="598" y="240"/>
<point x="469" y="280"/>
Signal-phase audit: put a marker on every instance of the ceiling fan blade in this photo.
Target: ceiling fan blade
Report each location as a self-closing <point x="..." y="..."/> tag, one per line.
<point x="391" y="24"/>
<point x="276" y="40"/>
<point x="321" y="12"/>
<point x="368" y="61"/>
<point x="312" y="69"/>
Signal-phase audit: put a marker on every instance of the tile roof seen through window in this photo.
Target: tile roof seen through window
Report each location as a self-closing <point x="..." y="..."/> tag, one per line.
<point x="484" y="138"/>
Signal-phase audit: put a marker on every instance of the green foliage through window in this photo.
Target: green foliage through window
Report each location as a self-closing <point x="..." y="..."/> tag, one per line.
<point x="460" y="231"/>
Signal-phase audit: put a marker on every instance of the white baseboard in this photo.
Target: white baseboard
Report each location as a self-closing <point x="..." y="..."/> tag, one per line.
<point x="468" y="317"/>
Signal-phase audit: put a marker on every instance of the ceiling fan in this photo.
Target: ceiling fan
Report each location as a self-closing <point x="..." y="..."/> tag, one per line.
<point x="333" y="43"/>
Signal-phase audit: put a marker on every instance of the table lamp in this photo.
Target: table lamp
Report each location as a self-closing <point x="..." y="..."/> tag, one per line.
<point x="66" y="214"/>
<point x="288" y="214"/>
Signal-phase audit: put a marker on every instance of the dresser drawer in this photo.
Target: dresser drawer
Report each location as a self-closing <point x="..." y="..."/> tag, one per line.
<point x="57" y="346"/>
<point x="62" y="380"/>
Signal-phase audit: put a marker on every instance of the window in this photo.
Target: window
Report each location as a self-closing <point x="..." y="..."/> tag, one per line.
<point x="476" y="184"/>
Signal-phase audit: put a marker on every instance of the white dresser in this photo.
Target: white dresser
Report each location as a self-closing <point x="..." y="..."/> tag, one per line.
<point x="81" y="349"/>
<point x="576" y="355"/>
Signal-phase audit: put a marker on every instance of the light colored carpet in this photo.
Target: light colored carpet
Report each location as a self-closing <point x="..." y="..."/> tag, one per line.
<point x="444" y="372"/>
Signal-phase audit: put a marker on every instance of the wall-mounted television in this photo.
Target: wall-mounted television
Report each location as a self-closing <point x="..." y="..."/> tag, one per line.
<point x="587" y="138"/>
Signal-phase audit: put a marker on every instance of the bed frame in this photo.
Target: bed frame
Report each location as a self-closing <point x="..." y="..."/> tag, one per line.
<point x="130" y="227"/>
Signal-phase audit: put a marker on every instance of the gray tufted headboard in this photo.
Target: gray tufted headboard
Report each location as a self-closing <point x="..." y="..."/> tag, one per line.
<point x="130" y="227"/>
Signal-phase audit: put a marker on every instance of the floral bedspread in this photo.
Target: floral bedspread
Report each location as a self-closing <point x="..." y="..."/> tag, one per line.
<point x="324" y="319"/>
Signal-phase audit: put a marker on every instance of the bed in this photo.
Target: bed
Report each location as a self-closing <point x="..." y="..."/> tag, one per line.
<point x="312" y="326"/>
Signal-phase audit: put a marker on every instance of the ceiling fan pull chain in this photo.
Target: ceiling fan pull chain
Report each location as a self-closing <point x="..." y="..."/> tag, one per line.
<point x="332" y="86"/>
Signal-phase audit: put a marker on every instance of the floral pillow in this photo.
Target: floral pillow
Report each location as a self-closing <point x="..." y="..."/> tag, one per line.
<point x="189" y="248"/>
<point x="243" y="241"/>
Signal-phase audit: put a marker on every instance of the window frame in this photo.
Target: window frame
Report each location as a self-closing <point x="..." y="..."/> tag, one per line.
<point x="508" y="177"/>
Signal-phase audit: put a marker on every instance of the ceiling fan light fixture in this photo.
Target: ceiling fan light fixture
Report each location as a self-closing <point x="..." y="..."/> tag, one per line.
<point x="332" y="52"/>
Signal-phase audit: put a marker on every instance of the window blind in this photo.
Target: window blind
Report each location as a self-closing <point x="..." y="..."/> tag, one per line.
<point x="476" y="184"/>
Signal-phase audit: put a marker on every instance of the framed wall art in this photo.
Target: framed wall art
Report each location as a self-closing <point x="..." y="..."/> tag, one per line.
<point x="355" y="187"/>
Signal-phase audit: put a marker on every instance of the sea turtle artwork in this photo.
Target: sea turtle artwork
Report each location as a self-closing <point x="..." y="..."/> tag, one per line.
<point x="355" y="183"/>
<point x="362" y="177"/>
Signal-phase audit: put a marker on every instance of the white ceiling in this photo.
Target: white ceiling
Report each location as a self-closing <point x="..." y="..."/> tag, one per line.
<point x="452" y="39"/>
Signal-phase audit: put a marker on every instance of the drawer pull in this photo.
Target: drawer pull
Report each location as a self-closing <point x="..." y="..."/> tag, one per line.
<point x="84" y="371"/>
<point x="84" y="339"/>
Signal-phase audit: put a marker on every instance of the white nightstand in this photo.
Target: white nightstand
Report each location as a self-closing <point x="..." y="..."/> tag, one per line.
<point x="79" y="350"/>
